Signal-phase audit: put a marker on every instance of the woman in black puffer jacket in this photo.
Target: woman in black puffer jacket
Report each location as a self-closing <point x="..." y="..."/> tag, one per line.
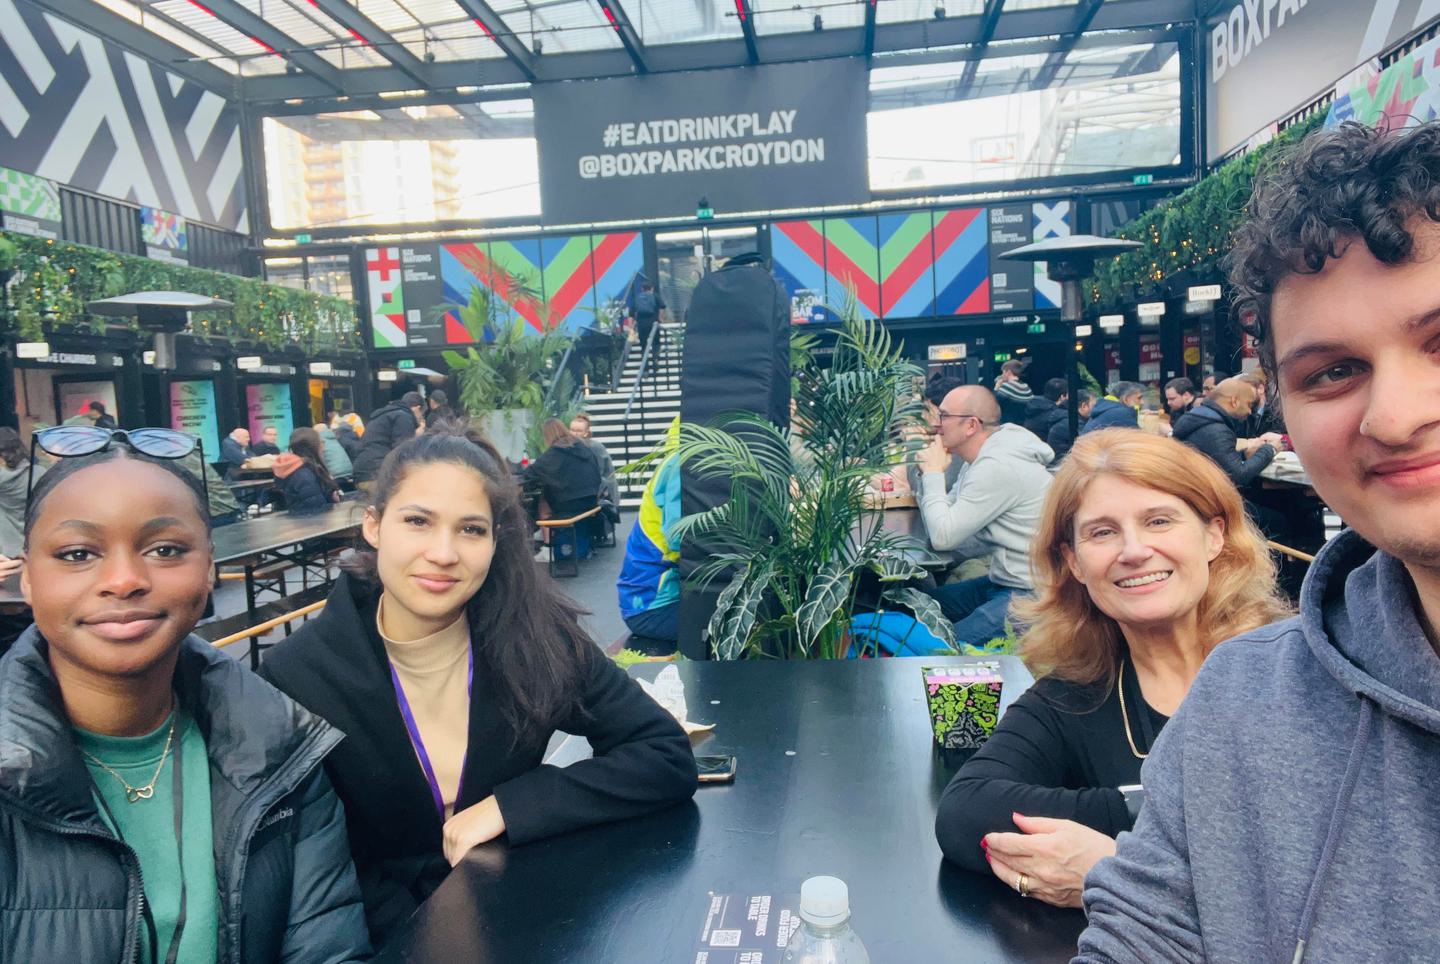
<point x="228" y="844"/>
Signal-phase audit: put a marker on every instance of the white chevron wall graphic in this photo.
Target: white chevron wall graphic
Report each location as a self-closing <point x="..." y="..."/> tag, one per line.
<point x="79" y="110"/>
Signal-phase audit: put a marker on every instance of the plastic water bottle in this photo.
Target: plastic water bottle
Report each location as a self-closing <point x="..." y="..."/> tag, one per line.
<point x="824" y="935"/>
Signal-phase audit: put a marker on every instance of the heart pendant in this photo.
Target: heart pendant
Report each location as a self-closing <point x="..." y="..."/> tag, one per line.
<point x="139" y="793"/>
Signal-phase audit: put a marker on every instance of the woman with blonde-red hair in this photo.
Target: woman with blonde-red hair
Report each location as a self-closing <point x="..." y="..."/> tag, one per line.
<point x="1143" y="563"/>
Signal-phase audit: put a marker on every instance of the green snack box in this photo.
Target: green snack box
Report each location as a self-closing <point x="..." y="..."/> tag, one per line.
<point x="964" y="702"/>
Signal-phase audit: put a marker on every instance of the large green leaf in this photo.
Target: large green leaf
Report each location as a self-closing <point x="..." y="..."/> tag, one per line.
<point x="828" y="591"/>
<point x="927" y="611"/>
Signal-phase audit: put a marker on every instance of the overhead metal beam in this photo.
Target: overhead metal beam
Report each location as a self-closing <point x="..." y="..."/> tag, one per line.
<point x="1084" y="16"/>
<point x="870" y="11"/>
<point x="989" y="20"/>
<point x="747" y="26"/>
<point x="499" y="31"/>
<point x="364" y="29"/>
<point x="231" y="13"/>
<point x="135" y="38"/>
<point x="625" y="30"/>
<point x="954" y="39"/>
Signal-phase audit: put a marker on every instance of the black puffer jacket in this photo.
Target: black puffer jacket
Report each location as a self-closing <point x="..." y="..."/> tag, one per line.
<point x="568" y="476"/>
<point x="70" y="890"/>
<point x="1210" y="430"/>
<point x="1041" y="415"/>
<point x="349" y="441"/>
<point x="386" y="428"/>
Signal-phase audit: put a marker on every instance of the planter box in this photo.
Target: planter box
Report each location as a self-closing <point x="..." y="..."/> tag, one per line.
<point x="508" y="430"/>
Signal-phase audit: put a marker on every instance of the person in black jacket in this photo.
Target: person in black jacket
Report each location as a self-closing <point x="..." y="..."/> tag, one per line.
<point x="1059" y="438"/>
<point x="1119" y="409"/>
<point x="387" y="428"/>
<point x="305" y="482"/>
<point x="347" y="429"/>
<point x="1212" y="428"/>
<point x="1180" y="396"/>
<point x="439" y="408"/>
<point x="269" y="443"/>
<point x="1043" y="412"/>
<point x="154" y="792"/>
<point x="1144" y="563"/>
<point x="567" y="474"/>
<point x="449" y="660"/>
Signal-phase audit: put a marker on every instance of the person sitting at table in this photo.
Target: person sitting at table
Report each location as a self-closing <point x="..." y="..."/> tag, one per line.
<point x="269" y="443"/>
<point x="1120" y="408"/>
<point x="225" y="508"/>
<point x="649" y="582"/>
<point x="449" y="660"/>
<point x="158" y="801"/>
<point x="348" y="428"/>
<point x="1144" y="562"/>
<point x="14" y="480"/>
<point x="333" y="454"/>
<point x="994" y="506"/>
<point x="305" y="482"/>
<point x="566" y="475"/>
<point x="234" y="450"/>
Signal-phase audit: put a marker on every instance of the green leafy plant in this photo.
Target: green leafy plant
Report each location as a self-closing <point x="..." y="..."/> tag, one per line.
<point x="795" y="536"/>
<point x="50" y="282"/>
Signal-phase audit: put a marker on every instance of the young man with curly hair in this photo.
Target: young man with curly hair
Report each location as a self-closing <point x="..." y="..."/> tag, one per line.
<point x="1291" y="801"/>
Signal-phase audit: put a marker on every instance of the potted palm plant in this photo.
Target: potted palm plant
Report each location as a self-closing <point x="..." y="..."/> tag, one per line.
<point x="502" y="380"/>
<point x="796" y="535"/>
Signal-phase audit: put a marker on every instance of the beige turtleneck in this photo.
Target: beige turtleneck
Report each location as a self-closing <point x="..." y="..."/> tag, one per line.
<point x="433" y="671"/>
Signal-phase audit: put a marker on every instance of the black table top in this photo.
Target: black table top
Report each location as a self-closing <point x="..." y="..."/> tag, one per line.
<point x="268" y="532"/>
<point x="836" y="775"/>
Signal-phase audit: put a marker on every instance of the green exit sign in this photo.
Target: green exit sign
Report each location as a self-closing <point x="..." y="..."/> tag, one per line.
<point x="1036" y="329"/>
<point x="405" y="363"/>
<point x="1143" y="179"/>
<point x="302" y="239"/>
<point x="705" y="214"/>
<point x="1001" y="357"/>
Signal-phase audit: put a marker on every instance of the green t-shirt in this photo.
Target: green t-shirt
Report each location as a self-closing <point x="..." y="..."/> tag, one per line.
<point x="148" y="826"/>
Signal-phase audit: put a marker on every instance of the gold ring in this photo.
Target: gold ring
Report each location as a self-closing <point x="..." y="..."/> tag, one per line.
<point x="1023" y="885"/>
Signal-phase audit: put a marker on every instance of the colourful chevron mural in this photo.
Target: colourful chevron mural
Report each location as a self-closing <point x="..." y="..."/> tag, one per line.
<point x="907" y="264"/>
<point x="563" y="282"/>
<point x="962" y="265"/>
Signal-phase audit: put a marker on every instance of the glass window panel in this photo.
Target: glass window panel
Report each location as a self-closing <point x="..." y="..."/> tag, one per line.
<point x="353" y="54"/>
<point x="1109" y="108"/>
<point x="784" y="16"/>
<point x="330" y="275"/>
<point x="362" y="167"/>
<point x="578" y="25"/>
<point x="386" y="14"/>
<point x="289" y="272"/>
<point x="255" y="58"/>
<point x="682" y="21"/>
<point x="905" y="11"/>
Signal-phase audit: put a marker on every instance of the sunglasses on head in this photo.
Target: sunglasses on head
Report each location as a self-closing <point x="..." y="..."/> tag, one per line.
<point x="73" y="441"/>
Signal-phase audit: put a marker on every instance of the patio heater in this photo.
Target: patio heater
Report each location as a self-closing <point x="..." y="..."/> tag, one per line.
<point x="166" y="313"/>
<point x="1070" y="261"/>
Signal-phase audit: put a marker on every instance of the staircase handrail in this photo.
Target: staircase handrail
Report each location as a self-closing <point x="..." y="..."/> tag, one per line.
<point x="635" y="389"/>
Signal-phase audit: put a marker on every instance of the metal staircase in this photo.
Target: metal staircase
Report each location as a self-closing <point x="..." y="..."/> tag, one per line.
<point x="632" y="420"/>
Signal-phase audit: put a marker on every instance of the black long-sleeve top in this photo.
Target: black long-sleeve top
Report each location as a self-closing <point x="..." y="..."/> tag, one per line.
<point x="1059" y="751"/>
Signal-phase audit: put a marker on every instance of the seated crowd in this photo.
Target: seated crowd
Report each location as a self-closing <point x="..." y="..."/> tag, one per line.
<point x="1209" y="777"/>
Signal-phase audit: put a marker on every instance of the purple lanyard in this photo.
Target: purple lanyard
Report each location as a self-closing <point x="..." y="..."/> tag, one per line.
<point x="419" y="743"/>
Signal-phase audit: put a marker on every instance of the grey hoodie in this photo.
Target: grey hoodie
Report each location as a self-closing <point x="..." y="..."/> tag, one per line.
<point x="12" y="506"/>
<point x="1291" y="808"/>
<point x="996" y="502"/>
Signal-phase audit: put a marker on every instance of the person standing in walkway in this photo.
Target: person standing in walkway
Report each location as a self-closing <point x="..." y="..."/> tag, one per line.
<point x="388" y="426"/>
<point x="996" y="503"/>
<point x="439" y="408"/>
<point x="1012" y="393"/>
<point x="649" y="310"/>
<point x="1290" y="804"/>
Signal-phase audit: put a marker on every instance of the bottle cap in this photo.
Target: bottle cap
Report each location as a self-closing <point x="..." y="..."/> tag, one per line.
<point x="824" y="901"/>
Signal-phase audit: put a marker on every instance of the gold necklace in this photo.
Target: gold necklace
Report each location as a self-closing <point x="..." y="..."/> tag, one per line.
<point x="135" y="794"/>
<point x="1125" y="716"/>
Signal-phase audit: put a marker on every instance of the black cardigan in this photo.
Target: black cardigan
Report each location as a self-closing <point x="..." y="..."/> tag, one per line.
<point x="335" y="666"/>
<point x="1059" y="751"/>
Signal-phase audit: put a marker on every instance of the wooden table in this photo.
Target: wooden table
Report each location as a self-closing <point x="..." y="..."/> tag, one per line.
<point x="836" y="775"/>
<point x="906" y="522"/>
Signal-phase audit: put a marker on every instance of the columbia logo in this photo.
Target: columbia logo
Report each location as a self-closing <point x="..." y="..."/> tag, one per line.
<point x="277" y="816"/>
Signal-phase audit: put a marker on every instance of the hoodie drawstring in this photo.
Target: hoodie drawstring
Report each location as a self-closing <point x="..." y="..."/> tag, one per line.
<point x="1337" y="824"/>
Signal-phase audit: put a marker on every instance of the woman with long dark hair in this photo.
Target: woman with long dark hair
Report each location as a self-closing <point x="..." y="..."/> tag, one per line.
<point x="448" y="659"/>
<point x="158" y="802"/>
<point x="567" y="474"/>
<point x="305" y="482"/>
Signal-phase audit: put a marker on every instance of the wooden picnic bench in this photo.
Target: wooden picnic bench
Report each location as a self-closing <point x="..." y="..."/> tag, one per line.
<point x="556" y="528"/>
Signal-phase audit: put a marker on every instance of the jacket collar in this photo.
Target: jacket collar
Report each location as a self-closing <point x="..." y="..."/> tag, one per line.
<point x="251" y="729"/>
